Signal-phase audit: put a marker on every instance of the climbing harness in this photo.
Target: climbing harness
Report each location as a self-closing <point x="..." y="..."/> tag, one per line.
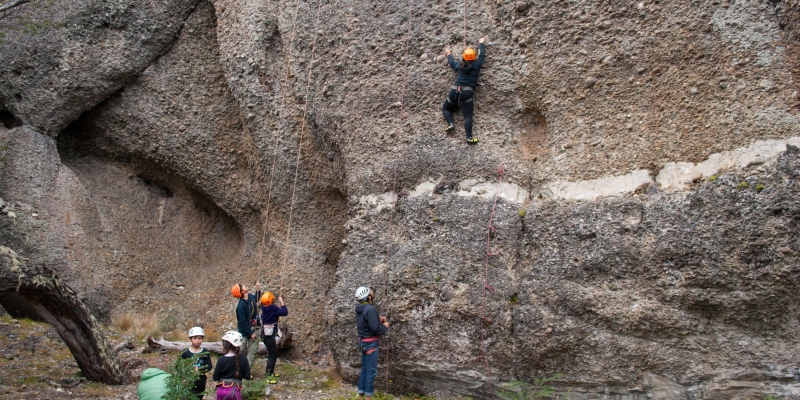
<point x="458" y="90"/>
<point x="385" y="299"/>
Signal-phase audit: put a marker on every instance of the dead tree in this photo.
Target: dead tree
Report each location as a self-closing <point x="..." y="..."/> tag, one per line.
<point x="7" y="8"/>
<point x="283" y="342"/>
<point x="57" y="304"/>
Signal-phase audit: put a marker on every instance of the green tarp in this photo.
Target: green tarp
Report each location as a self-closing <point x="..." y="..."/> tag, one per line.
<point x="153" y="385"/>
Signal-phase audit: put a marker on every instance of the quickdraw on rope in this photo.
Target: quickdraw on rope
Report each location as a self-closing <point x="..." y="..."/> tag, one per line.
<point x="281" y="117"/>
<point x="394" y="185"/>
<point x="490" y="230"/>
<point x="300" y="146"/>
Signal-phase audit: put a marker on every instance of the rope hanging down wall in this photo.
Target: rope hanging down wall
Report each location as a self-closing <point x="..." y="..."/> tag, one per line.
<point x="300" y="146"/>
<point x="281" y="118"/>
<point x="490" y="230"/>
<point x="385" y="298"/>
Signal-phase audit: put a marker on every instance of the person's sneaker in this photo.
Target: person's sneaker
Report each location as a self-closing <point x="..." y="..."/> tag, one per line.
<point x="472" y="140"/>
<point x="450" y="128"/>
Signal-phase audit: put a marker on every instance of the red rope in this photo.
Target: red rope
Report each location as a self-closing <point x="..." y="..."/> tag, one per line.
<point x="394" y="185"/>
<point x="300" y="144"/>
<point x="281" y="117"/>
<point x="465" y="24"/>
<point x="489" y="230"/>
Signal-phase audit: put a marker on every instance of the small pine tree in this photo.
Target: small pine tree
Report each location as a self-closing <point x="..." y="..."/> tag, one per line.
<point x="181" y="380"/>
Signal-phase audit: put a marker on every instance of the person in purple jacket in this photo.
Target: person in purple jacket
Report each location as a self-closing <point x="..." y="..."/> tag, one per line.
<point x="269" y="320"/>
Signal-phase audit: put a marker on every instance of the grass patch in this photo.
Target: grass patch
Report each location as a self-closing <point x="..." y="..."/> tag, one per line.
<point x="136" y="324"/>
<point x="310" y="379"/>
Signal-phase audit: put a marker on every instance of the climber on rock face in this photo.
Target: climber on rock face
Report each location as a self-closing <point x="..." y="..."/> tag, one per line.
<point x="460" y="94"/>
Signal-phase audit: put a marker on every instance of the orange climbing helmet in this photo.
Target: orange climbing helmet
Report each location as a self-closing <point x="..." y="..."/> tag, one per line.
<point x="236" y="291"/>
<point x="469" y="54"/>
<point x="267" y="299"/>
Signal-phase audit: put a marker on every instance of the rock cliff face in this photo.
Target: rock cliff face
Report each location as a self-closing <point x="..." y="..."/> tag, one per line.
<point x="646" y="240"/>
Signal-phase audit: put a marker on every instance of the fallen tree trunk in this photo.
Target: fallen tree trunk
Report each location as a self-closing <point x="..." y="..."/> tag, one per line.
<point x="59" y="306"/>
<point x="284" y="341"/>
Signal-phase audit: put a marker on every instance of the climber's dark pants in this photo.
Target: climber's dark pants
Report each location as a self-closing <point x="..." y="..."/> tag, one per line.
<point x="467" y="107"/>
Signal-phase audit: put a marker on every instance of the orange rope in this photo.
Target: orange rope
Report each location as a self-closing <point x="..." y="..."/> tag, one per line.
<point x="281" y="117"/>
<point x="300" y="145"/>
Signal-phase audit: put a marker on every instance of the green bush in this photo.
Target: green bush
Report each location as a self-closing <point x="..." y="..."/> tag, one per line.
<point x="181" y="380"/>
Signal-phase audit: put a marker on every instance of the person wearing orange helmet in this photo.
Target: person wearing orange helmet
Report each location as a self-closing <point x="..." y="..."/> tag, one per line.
<point x="270" y="312"/>
<point x="247" y="317"/>
<point x="467" y="72"/>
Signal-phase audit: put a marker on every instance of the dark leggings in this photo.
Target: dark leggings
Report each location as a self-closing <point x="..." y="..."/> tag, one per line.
<point x="272" y="354"/>
<point x="467" y="107"/>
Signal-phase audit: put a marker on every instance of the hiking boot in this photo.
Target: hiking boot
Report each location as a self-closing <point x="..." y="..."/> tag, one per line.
<point x="472" y="140"/>
<point x="450" y="128"/>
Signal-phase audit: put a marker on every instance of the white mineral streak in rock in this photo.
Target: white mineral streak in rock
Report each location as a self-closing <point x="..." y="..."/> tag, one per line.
<point x="378" y="201"/>
<point x="469" y="187"/>
<point x="677" y="176"/>
<point x="508" y="191"/>
<point x="607" y="186"/>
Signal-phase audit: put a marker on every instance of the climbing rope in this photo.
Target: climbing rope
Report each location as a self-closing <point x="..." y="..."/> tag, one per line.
<point x="299" y="146"/>
<point x="486" y="288"/>
<point x="465" y="24"/>
<point x="281" y="117"/>
<point x="394" y="184"/>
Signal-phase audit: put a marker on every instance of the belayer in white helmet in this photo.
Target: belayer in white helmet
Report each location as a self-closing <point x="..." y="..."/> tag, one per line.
<point x="370" y="327"/>
<point x="201" y="359"/>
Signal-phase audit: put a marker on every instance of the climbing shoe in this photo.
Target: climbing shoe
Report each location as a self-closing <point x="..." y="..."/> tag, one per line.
<point x="272" y="381"/>
<point x="472" y="140"/>
<point x="450" y="128"/>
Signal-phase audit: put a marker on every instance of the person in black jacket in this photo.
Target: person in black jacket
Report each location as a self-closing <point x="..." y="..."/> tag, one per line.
<point x="231" y="368"/>
<point x="247" y="318"/>
<point x="201" y="358"/>
<point x="460" y="94"/>
<point x="370" y="327"/>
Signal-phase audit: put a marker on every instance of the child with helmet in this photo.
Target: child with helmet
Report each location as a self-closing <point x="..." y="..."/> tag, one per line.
<point x="461" y="92"/>
<point x="231" y="368"/>
<point x="270" y="312"/>
<point x="201" y="359"/>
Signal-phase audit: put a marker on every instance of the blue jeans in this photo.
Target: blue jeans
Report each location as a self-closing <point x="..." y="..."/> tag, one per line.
<point x="369" y="368"/>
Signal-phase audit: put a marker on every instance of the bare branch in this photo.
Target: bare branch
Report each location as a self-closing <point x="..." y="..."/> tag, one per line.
<point x="8" y="8"/>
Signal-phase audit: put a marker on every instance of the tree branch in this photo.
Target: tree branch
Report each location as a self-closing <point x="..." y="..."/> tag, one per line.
<point x="57" y="304"/>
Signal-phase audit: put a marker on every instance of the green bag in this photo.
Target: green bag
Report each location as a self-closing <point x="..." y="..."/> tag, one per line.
<point x="153" y="385"/>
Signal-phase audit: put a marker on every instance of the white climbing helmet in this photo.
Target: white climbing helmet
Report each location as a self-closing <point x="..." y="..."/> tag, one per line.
<point x="196" y="331"/>
<point x="235" y="338"/>
<point x="362" y="293"/>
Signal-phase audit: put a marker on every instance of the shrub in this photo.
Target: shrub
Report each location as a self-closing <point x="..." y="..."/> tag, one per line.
<point x="181" y="380"/>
